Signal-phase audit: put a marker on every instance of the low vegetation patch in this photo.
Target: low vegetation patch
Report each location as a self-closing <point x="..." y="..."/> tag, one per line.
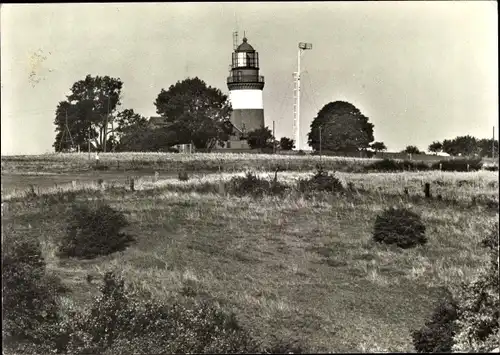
<point x="391" y="165"/>
<point x="458" y="165"/>
<point x="320" y="181"/>
<point x="479" y="306"/>
<point x="183" y="176"/>
<point x="468" y="321"/>
<point x="253" y="185"/>
<point x="119" y="321"/>
<point x="436" y="336"/>
<point x="401" y="227"/>
<point x="29" y="296"/>
<point x="93" y="229"/>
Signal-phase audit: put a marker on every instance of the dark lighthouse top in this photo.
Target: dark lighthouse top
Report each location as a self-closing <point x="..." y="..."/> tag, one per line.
<point x="244" y="73"/>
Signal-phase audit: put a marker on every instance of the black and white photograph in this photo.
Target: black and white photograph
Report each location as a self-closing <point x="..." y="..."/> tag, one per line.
<point x="250" y="177"/>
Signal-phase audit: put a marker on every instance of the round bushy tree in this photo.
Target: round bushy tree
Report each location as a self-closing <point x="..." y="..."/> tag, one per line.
<point x="399" y="226"/>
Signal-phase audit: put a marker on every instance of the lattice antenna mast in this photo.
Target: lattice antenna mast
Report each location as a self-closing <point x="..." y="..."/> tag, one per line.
<point x="235" y="40"/>
<point x="296" y="107"/>
<point x="66" y="129"/>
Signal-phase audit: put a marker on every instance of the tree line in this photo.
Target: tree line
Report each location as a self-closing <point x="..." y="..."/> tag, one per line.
<point x="194" y="113"/>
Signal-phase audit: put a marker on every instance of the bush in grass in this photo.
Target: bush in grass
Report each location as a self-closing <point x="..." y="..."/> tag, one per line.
<point x="30" y="297"/>
<point x="469" y="322"/>
<point x="183" y="176"/>
<point x="491" y="168"/>
<point x="458" y="165"/>
<point x="390" y="165"/>
<point x="93" y="230"/>
<point x="385" y="165"/>
<point x="100" y="167"/>
<point x="120" y="322"/>
<point x="401" y="227"/>
<point x="437" y="333"/>
<point x="479" y="306"/>
<point x="320" y="181"/>
<point x="415" y="166"/>
<point x="251" y="184"/>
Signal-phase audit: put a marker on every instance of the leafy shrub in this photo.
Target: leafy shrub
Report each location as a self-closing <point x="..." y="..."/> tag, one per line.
<point x="119" y="322"/>
<point x="30" y="297"/>
<point x="416" y="165"/>
<point x="437" y="334"/>
<point x="320" y="181"/>
<point x="94" y="230"/>
<point x="469" y="322"/>
<point x="395" y="165"/>
<point x="491" y="168"/>
<point x="479" y="306"/>
<point x="183" y="176"/>
<point x="458" y="165"/>
<point x="401" y="227"/>
<point x="100" y="167"/>
<point x="255" y="186"/>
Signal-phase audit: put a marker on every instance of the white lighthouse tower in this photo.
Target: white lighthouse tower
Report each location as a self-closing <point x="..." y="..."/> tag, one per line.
<point x="245" y="94"/>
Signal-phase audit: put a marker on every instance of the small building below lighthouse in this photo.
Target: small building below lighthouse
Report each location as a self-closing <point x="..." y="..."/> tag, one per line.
<point x="245" y="94"/>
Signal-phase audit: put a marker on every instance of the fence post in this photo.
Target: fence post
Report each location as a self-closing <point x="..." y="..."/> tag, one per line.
<point x="222" y="190"/>
<point x="440" y="166"/>
<point x="157" y="174"/>
<point x="132" y="187"/>
<point x="73" y="184"/>
<point x="468" y="166"/>
<point x="100" y="183"/>
<point x="427" y="190"/>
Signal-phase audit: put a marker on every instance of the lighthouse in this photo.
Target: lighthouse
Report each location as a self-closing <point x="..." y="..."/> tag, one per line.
<point x="245" y="94"/>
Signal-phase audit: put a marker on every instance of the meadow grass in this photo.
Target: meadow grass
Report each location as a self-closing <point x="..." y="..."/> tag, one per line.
<point x="70" y="162"/>
<point x="292" y="267"/>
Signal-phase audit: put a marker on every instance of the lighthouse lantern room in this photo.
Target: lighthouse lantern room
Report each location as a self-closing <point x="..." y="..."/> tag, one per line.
<point x="245" y="93"/>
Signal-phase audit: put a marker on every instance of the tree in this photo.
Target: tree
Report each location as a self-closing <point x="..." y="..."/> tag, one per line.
<point x="88" y="111"/>
<point x="378" y="146"/>
<point x="147" y="139"/>
<point x="260" y="138"/>
<point x="196" y="113"/>
<point x="343" y="128"/>
<point x="462" y="145"/>
<point x="485" y="145"/>
<point x="72" y="126"/>
<point x="286" y="143"/>
<point x="411" y="149"/>
<point x="435" y="147"/>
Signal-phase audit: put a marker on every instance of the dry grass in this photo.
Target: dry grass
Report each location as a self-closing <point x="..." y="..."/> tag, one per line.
<point x="290" y="267"/>
<point x="174" y="162"/>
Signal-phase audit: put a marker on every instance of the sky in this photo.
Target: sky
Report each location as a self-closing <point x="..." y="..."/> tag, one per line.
<point x="420" y="71"/>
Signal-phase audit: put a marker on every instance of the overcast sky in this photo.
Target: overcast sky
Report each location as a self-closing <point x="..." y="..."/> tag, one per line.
<point x="421" y="71"/>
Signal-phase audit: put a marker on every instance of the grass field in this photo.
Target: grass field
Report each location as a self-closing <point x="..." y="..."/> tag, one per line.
<point x="291" y="267"/>
<point x="174" y="162"/>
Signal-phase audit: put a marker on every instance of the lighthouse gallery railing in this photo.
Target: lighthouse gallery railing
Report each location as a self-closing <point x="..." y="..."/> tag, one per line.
<point x="245" y="79"/>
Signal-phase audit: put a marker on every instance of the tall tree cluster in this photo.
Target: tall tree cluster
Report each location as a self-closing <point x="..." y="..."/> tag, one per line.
<point x="466" y="146"/>
<point x="197" y="113"/>
<point x="89" y="117"/>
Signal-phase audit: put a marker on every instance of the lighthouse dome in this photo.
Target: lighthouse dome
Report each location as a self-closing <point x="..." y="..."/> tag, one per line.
<point x="245" y="47"/>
